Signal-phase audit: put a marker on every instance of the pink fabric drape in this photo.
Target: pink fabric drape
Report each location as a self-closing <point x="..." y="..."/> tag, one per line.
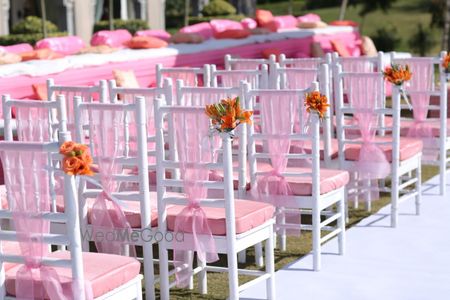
<point x="357" y="66"/>
<point x="273" y="185"/>
<point x="234" y="80"/>
<point x="193" y="143"/>
<point x="306" y="63"/>
<point x="300" y="80"/>
<point x="27" y="182"/>
<point x="107" y="130"/>
<point x="33" y="124"/>
<point x="189" y="78"/>
<point x="364" y="96"/>
<point x="419" y="86"/>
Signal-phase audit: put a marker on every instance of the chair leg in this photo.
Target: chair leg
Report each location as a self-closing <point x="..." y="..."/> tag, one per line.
<point x="233" y="279"/>
<point x="347" y="218"/>
<point x="163" y="273"/>
<point x="419" y="187"/>
<point x="202" y="278"/>
<point x="283" y="231"/>
<point x="190" y="259"/>
<point x="394" y="198"/>
<point x="149" y="272"/>
<point x="270" y="267"/>
<point x="316" y="237"/>
<point x="242" y="256"/>
<point x="442" y="171"/>
<point x="357" y="189"/>
<point x="367" y="188"/>
<point x="259" y="258"/>
<point x="341" y="225"/>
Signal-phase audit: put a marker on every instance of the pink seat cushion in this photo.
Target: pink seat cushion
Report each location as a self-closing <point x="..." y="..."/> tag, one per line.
<point x="12" y="248"/>
<point x="330" y="179"/>
<point x="408" y="148"/>
<point x="105" y="272"/>
<point x="249" y="214"/>
<point x="405" y="125"/>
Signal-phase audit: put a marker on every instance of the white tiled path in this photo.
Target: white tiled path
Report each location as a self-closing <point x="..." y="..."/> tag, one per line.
<point x="411" y="262"/>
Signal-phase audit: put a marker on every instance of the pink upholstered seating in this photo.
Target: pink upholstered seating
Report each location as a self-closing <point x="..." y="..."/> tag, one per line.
<point x="405" y="125"/>
<point x="105" y="272"/>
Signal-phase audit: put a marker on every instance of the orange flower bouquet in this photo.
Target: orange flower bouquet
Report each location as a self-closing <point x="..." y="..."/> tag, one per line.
<point x="317" y="102"/>
<point x="446" y="62"/>
<point x="397" y="74"/>
<point x="77" y="159"/>
<point x="227" y="114"/>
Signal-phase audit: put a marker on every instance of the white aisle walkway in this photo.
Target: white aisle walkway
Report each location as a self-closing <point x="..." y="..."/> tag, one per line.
<point x="411" y="262"/>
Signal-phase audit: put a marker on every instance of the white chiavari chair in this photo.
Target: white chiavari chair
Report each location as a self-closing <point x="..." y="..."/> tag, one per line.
<point x="258" y="78"/>
<point x="374" y="155"/>
<point x="232" y="234"/>
<point x="303" y="63"/>
<point x="191" y="76"/>
<point x="308" y="188"/>
<point x="233" y="63"/>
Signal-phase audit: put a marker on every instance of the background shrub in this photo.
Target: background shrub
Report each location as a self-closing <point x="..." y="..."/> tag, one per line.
<point x="195" y="20"/>
<point x="32" y="24"/>
<point x="218" y="8"/>
<point x="31" y="38"/>
<point x="386" y="39"/>
<point x="131" y="25"/>
<point x="422" y="41"/>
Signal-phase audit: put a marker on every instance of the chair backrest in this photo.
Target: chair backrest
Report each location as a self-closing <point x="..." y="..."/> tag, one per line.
<point x="361" y="64"/>
<point x="257" y="78"/>
<point x="27" y="177"/>
<point x="365" y="110"/>
<point x="304" y="62"/>
<point x="280" y="110"/>
<point x="35" y="121"/>
<point x="190" y="76"/>
<point x="194" y="160"/>
<point x="117" y="137"/>
<point x="232" y="63"/>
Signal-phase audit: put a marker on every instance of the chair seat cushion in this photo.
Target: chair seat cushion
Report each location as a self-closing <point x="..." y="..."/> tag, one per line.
<point x="405" y="125"/>
<point x="105" y="272"/>
<point x="249" y="214"/>
<point x="330" y="179"/>
<point x="408" y="148"/>
<point x="12" y="248"/>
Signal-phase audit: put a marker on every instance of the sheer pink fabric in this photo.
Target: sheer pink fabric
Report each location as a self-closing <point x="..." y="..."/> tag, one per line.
<point x="234" y="79"/>
<point x="189" y="78"/>
<point x="306" y="63"/>
<point x="357" y="66"/>
<point x="27" y="183"/>
<point x="246" y="65"/>
<point x="299" y="80"/>
<point x="364" y="94"/>
<point x="273" y="186"/>
<point x="33" y="124"/>
<point x="69" y="96"/>
<point x="419" y="87"/>
<point x="193" y="146"/>
<point x="107" y="130"/>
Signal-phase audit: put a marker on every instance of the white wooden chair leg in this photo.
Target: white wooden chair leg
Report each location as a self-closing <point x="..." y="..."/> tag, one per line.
<point x="242" y="256"/>
<point x="442" y="171"/>
<point x="283" y="232"/>
<point x="190" y="259"/>
<point x="357" y="189"/>
<point x="347" y="217"/>
<point x="341" y="225"/>
<point x="270" y="268"/>
<point x="202" y="278"/>
<point x="316" y="238"/>
<point x="419" y="188"/>
<point x="233" y="277"/>
<point x="149" y="272"/>
<point x="367" y="188"/>
<point x="163" y="273"/>
<point x="259" y="258"/>
<point x="394" y="200"/>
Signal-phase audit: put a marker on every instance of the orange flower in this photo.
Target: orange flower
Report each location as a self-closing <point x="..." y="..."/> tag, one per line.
<point x="71" y="165"/>
<point x="228" y="123"/>
<point x="86" y="157"/>
<point x="227" y="114"/>
<point x="446" y="61"/>
<point x="67" y="148"/>
<point x="397" y="74"/>
<point x="245" y="116"/>
<point x="315" y="101"/>
<point x="84" y="169"/>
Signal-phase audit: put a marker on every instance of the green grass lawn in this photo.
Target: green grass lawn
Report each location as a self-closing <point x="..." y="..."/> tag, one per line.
<point x="404" y="16"/>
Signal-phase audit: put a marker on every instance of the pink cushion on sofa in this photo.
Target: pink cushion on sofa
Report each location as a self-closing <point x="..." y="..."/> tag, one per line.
<point x="330" y="180"/>
<point x="158" y="33"/>
<point x="249" y="214"/>
<point x="340" y="48"/>
<point x="309" y="18"/>
<point x="203" y="29"/>
<point x="285" y="22"/>
<point x="408" y="148"/>
<point x="66" y="45"/>
<point x="221" y="25"/>
<point x="249" y="23"/>
<point x="105" y="272"/>
<point x="112" y="38"/>
<point x="19" y="48"/>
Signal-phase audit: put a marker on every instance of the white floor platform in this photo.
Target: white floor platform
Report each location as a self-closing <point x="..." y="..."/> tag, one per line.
<point x="411" y="262"/>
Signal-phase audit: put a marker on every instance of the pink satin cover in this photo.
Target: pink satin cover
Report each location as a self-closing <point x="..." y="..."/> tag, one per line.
<point x="112" y="38"/>
<point x="66" y="45"/>
<point x="27" y="175"/>
<point x="204" y="29"/>
<point x="221" y="25"/>
<point x="158" y="33"/>
<point x="249" y="23"/>
<point x="193" y="143"/>
<point x="364" y="96"/>
<point x="107" y="130"/>
<point x="18" y="48"/>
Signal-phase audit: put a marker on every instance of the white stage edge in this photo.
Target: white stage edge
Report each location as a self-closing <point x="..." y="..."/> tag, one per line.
<point x="411" y="262"/>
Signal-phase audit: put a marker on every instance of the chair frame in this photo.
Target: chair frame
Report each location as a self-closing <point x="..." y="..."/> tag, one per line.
<point x="230" y="244"/>
<point x="204" y="71"/>
<point x="260" y="77"/>
<point x="317" y="203"/>
<point x="230" y="61"/>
